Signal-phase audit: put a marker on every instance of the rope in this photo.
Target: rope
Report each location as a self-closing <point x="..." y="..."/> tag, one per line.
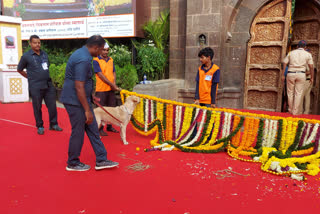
<point x="98" y="104"/>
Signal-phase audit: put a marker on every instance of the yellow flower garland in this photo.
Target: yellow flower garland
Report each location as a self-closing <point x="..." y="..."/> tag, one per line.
<point x="243" y="140"/>
<point x="216" y="129"/>
<point x="209" y="129"/>
<point x="169" y="121"/>
<point x="186" y="121"/>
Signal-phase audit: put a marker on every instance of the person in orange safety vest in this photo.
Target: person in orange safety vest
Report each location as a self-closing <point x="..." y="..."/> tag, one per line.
<point x="207" y="79"/>
<point x="105" y="83"/>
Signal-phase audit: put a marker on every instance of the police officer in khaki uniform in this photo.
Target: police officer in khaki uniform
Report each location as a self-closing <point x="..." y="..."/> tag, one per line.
<point x="297" y="60"/>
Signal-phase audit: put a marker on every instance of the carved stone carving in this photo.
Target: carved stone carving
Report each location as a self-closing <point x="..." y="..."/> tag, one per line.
<point x="265" y="55"/>
<point x="266" y="49"/>
<point x="303" y="11"/>
<point x="262" y="100"/>
<point x="277" y="10"/>
<point x="269" y="32"/>
<point x="305" y="30"/>
<point x="264" y="78"/>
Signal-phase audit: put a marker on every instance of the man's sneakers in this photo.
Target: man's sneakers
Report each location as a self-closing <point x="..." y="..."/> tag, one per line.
<point x="99" y="165"/>
<point x="56" y="128"/>
<point x="106" y="164"/>
<point x="40" y="131"/>
<point x="79" y="167"/>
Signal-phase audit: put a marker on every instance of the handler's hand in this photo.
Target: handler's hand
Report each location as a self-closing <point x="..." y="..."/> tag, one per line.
<point x="213" y="105"/>
<point x="283" y="78"/>
<point x="95" y="99"/>
<point x="311" y="82"/>
<point x="89" y="117"/>
<point x="197" y="102"/>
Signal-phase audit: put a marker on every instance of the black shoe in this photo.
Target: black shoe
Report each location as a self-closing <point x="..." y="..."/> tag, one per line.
<point x="56" y="128"/>
<point x="111" y="129"/>
<point x="79" y="167"/>
<point x="40" y="130"/>
<point x="102" y="133"/>
<point x="106" y="164"/>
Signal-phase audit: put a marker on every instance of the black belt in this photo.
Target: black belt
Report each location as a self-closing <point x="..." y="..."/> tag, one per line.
<point x="292" y="72"/>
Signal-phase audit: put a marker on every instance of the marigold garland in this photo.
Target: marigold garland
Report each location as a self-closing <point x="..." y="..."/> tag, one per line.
<point x="283" y="146"/>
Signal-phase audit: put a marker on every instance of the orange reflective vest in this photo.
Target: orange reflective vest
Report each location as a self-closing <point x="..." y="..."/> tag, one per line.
<point x="107" y="70"/>
<point x="205" y="84"/>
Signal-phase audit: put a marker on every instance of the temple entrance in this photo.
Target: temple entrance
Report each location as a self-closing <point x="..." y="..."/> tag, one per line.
<point x="268" y="46"/>
<point x="306" y="27"/>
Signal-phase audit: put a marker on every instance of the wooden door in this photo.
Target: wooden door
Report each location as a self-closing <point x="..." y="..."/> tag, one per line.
<point x="306" y="27"/>
<point x="266" y="49"/>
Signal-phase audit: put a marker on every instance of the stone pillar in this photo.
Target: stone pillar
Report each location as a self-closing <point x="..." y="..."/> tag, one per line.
<point x="157" y="6"/>
<point x="203" y="17"/>
<point x="177" y="39"/>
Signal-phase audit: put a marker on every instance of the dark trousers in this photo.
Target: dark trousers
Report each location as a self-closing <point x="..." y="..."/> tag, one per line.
<point x="78" y="123"/>
<point x="107" y="98"/>
<point x="49" y="96"/>
<point x="206" y="105"/>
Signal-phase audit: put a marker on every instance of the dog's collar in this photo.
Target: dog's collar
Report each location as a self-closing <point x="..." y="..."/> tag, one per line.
<point x="127" y="110"/>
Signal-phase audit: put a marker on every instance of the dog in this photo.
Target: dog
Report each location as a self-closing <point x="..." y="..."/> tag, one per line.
<point x="121" y="113"/>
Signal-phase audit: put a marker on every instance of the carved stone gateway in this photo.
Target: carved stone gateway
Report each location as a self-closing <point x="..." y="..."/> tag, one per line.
<point x="266" y="48"/>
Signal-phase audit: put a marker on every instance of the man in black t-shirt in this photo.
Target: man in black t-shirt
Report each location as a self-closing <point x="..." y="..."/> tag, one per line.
<point x="40" y="85"/>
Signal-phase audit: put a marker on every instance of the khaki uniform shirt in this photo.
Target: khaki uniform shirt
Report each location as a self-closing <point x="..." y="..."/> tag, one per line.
<point x="298" y="60"/>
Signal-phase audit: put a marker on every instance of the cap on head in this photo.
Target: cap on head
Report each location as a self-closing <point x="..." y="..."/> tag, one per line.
<point x="302" y="44"/>
<point x="106" y="46"/>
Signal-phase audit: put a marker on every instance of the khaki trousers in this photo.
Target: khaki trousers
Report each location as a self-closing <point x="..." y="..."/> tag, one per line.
<point x="305" y="104"/>
<point x="295" y="86"/>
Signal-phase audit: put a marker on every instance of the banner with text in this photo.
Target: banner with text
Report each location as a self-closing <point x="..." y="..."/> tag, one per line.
<point x="68" y="28"/>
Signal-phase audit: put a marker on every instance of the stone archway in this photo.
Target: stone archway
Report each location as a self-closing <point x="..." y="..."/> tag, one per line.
<point x="267" y="46"/>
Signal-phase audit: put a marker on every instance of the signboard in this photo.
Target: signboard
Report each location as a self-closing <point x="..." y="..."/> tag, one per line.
<point x="63" y="19"/>
<point x="9" y="46"/>
<point x="106" y="26"/>
<point x="53" y="9"/>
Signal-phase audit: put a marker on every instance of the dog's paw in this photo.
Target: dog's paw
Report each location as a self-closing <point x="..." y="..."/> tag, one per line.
<point x="125" y="143"/>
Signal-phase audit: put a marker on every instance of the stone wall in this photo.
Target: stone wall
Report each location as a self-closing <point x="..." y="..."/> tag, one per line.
<point x="178" y="9"/>
<point x="157" y="6"/>
<point x="226" y="26"/>
<point x="203" y="18"/>
<point x="165" y="89"/>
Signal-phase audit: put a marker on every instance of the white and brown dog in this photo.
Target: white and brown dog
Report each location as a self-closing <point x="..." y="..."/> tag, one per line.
<point x="121" y="115"/>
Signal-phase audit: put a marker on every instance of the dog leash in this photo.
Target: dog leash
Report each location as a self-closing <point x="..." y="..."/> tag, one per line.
<point x="98" y="104"/>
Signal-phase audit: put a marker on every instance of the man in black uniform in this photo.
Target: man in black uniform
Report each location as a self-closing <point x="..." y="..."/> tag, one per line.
<point x="40" y="86"/>
<point x="77" y="98"/>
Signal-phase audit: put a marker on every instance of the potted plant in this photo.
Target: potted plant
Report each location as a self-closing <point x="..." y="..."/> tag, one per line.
<point x="57" y="74"/>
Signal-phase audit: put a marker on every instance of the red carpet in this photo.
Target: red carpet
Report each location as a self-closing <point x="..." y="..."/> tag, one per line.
<point x="33" y="178"/>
